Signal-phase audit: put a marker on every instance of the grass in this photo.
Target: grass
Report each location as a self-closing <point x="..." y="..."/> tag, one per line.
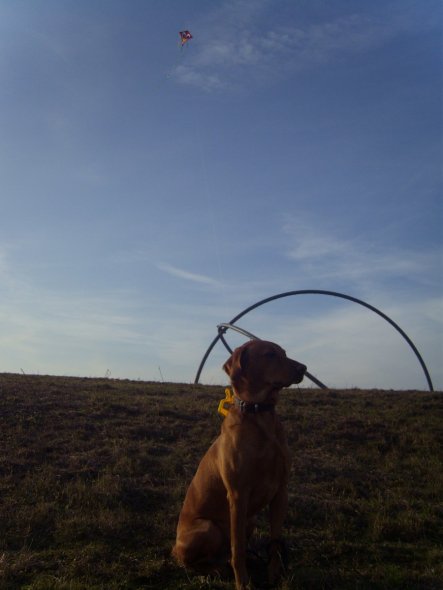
<point x="93" y="473"/>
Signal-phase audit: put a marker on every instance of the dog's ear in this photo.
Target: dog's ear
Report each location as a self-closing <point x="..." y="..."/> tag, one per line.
<point x="237" y="362"/>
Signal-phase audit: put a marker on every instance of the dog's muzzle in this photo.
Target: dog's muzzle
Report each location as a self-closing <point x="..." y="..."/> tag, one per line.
<point x="299" y="372"/>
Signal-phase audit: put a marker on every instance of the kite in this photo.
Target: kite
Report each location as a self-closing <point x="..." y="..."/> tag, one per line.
<point x="185" y="36"/>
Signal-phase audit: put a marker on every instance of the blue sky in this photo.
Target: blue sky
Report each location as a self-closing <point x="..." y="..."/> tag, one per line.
<point x="149" y="193"/>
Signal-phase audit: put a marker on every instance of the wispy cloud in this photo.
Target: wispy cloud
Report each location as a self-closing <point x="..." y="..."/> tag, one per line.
<point x="48" y="330"/>
<point x="357" y="259"/>
<point x="191" y="76"/>
<point x="252" y="46"/>
<point x="52" y="330"/>
<point x="188" y="276"/>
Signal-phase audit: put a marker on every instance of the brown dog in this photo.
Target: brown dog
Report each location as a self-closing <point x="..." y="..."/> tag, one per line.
<point x="244" y="470"/>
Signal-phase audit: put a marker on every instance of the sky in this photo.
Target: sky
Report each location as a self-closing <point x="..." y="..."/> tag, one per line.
<point x="150" y="192"/>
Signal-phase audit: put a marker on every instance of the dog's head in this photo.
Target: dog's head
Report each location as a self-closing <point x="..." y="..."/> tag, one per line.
<point x="259" y="370"/>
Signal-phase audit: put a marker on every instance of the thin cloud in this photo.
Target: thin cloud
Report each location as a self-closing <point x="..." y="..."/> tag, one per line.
<point x="188" y="276"/>
<point x="192" y="77"/>
<point x="343" y="345"/>
<point x="250" y="46"/>
<point x="325" y="255"/>
<point x="56" y="332"/>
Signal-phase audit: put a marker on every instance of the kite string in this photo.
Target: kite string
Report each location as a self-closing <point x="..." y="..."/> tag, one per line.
<point x="178" y="60"/>
<point x="212" y="220"/>
<point x="172" y="70"/>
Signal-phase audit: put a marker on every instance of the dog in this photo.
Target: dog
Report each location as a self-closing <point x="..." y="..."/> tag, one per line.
<point x="244" y="470"/>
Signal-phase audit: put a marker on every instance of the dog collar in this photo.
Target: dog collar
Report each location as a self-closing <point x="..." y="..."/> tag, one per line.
<point x="251" y="408"/>
<point x="244" y="407"/>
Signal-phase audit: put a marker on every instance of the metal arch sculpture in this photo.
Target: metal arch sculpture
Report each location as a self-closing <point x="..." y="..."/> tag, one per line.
<point x="224" y="327"/>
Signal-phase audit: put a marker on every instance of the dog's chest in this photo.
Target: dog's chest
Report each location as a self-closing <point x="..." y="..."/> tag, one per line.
<point x="258" y="451"/>
<point x="270" y="473"/>
<point x="271" y="461"/>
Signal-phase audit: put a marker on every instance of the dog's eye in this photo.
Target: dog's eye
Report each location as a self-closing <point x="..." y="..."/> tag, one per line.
<point x="270" y="355"/>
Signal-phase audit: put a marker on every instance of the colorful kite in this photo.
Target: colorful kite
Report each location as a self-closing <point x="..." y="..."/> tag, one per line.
<point x="185" y="36"/>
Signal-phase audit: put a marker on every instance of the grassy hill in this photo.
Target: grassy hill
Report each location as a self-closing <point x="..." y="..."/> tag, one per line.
<point x="93" y="473"/>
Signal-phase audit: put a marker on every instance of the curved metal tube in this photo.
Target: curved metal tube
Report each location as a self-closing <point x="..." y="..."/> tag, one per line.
<point x="313" y="292"/>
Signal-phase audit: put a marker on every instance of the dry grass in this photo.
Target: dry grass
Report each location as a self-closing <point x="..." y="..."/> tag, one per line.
<point x="93" y="473"/>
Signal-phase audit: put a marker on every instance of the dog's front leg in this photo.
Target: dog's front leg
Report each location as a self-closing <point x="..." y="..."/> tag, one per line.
<point x="238" y="505"/>
<point x="277" y="514"/>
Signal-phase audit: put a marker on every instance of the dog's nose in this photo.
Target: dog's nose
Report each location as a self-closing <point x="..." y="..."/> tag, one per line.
<point x="302" y="368"/>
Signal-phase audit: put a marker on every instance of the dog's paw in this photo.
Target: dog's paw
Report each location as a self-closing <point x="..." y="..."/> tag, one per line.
<point x="277" y="560"/>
